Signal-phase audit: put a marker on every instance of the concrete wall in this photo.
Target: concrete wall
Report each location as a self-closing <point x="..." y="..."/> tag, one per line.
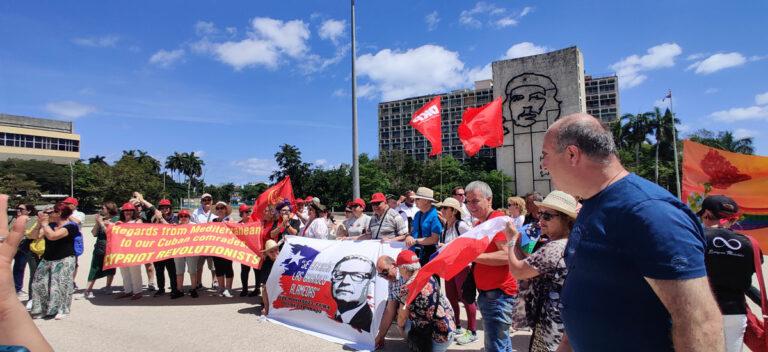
<point x="33" y="122"/>
<point x="536" y="91"/>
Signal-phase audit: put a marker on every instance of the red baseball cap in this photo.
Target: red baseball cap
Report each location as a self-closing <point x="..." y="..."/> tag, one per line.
<point x="358" y="201"/>
<point x="309" y="199"/>
<point x="70" y="200"/>
<point x="243" y="208"/>
<point x="184" y="212"/>
<point x="299" y="201"/>
<point x="406" y="257"/>
<point x="164" y="202"/>
<point x="128" y="206"/>
<point x="378" y="197"/>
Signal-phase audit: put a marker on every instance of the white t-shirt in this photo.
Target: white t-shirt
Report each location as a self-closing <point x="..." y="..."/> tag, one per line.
<point x="450" y="231"/>
<point x="318" y="228"/>
<point x="356" y="226"/>
<point x="407" y="212"/>
<point x="466" y="215"/>
<point x="199" y="216"/>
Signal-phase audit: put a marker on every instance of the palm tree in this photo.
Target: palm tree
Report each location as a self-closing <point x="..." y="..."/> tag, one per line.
<point x="635" y="132"/>
<point x="662" y="129"/>
<point x="144" y="158"/>
<point x="174" y="163"/>
<point x="98" y="159"/>
<point x="191" y="166"/>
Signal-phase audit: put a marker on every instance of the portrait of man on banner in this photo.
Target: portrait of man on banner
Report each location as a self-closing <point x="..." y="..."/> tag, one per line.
<point x="350" y="283"/>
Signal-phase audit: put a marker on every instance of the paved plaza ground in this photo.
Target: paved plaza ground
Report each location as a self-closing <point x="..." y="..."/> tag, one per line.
<point x="209" y="323"/>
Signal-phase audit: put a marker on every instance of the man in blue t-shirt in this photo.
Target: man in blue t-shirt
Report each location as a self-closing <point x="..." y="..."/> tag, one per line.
<point x="426" y="228"/>
<point x="636" y="275"/>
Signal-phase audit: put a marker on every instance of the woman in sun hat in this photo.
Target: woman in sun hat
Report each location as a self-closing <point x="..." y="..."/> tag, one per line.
<point x="545" y="269"/>
<point x="454" y="227"/>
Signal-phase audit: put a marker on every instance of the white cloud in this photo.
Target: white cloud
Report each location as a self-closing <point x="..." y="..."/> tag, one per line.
<point x="97" y="42"/>
<point x="491" y="14"/>
<point x="200" y="153"/>
<point x="256" y="166"/>
<point x="717" y="62"/>
<point x="741" y="114"/>
<point x="524" y="49"/>
<point x="332" y="30"/>
<point x="505" y="22"/>
<point x="745" y="133"/>
<point x="267" y="42"/>
<point x="711" y="91"/>
<point x="249" y="52"/>
<point x="761" y="99"/>
<point x="69" y="109"/>
<point x="432" y="20"/>
<point x="165" y="58"/>
<point x="480" y="73"/>
<point x="366" y="90"/>
<point x="696" y="56"/>
<point x="340" y="93"/>
<point x="683" y="128"/>
<point x="320" y="162"/>
<point x="661" y="103"/>
<point x="203" y="28"/>
<point x="630" y="69"/>
<point x="423" y="70"/>
<point x="289" y="37"/>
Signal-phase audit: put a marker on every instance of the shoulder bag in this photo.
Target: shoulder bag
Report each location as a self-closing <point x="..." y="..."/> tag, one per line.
<point x="755" y="337"/>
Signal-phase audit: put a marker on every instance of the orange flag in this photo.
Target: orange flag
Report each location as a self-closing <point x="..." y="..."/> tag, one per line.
<point x="710" y="171"/>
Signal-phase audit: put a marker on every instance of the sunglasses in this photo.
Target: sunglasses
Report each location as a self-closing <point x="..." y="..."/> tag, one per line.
<point x="376" y="204"/>
<point x="245" y="212"/>
<point x="547" y="216"/>
<point x="205" y="200"/>
<point x="459" y="194"/>
<point x="384" y="273"/>
<point x="48" y="212"/>
<point x="183" y="216"/>
<point x="220" y="208"/>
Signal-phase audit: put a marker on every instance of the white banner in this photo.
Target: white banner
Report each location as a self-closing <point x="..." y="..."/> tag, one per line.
<point x="330" y="289"/>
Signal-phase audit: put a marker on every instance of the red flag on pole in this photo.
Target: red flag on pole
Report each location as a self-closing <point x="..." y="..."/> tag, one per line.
<point x="281" y="191"/>
<point x="427" y="120"/>
<point x="482" y="126"/>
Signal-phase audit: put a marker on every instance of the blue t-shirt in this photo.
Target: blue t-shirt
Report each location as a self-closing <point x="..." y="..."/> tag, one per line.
<point x="631" y="230"/>
<point x="428" y="223"/>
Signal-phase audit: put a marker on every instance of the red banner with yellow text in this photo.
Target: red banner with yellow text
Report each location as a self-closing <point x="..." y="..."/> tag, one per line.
<point x="135" y="244"/>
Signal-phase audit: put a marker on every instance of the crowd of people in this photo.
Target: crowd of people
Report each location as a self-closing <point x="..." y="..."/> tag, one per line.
<point x="608" y="261"/>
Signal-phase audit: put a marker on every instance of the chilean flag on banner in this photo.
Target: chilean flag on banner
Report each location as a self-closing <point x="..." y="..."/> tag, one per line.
<point x="281" y="191"/>
<point x="427" y="120"/>
<point x="457" y="254"/>
<point x="482" y="126"/>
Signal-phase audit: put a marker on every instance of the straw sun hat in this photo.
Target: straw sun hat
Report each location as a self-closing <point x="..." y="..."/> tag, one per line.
<point x="560" y="201"/>
<point x="449" y="202"/>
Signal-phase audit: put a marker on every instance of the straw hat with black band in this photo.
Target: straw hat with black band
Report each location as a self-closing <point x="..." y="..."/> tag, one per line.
<point x="560" y="201"/>
<point x="425" y="193"/>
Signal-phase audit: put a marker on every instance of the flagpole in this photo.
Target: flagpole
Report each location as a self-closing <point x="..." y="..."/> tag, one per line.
<point x="355" y="161"/>
<point x="674" y="145"/>
<point x="441" y="174"/>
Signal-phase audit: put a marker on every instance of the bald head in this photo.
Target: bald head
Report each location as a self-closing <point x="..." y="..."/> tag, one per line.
<point x="586" y="133"/>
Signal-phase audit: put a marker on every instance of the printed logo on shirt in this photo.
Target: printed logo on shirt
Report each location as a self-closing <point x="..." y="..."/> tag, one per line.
<point x="733" y="243"/>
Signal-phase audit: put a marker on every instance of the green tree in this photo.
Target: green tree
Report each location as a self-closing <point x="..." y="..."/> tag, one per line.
<point x="636" y="132"/>
<point x="20" y="190"/>
<point x="724" y="140"/>
<point x="98" y="159"/>
<point x="289" y="164"/>
<point x="51" y="178"/>
<point x="191" y="167"/>
<point x="250" y="191"/>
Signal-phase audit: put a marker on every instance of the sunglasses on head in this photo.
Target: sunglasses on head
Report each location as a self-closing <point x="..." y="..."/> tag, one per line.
<point x="547" y="216"/>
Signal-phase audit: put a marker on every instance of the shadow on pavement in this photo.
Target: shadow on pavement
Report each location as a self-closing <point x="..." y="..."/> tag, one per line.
<point x="206" y="297"/>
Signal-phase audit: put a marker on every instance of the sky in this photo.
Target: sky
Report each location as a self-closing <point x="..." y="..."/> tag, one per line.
<point x="233" y="80"/>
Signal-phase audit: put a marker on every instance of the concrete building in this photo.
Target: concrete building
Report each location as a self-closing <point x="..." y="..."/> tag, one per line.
<point x="603" y="97"/>
<point x="536" y="91"/>
<point x="32" y="138"/>
<point x="395" y="134"/>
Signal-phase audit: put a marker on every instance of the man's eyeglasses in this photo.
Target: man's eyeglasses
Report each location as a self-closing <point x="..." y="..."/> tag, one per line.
<point x="356" y="277"/>
<point x="384" y="273"/>
<point x="205" y="200"/>
<point x="547" y="216"/>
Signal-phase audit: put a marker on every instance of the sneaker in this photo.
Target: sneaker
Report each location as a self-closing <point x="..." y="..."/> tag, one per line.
<point x="253" y="293"/>
<point x="215" y="284"/>
<point x="176" y="294"/>
<point x="261" y="319"/>
<point x="151" y="287"/>
<point x="159" y="293"/>
<point x="243" y="293"/>
<point x="124" y="295"/>
<point x="29" y="305"/>
<point x="89" y="295"/>
<point x="193" y="293"/>
<point x="38" y="316"/>
<point x="459" y="332"/>
<point x="467" y="337"/>
<point x="199" y="287"/>
<point x="61" y="316"/>
<point x="136" y="296"/>
<point x="226" y="293"/>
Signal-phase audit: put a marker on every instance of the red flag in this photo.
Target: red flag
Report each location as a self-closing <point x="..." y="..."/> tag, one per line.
<point x="427" y="120"/>
<point x="273" y="195"/>
<point x="482" y="126"/>
<point x="457" y="254"/>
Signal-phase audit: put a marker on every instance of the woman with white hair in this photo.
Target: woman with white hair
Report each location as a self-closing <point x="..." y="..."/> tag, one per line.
<point x="545" y="269"/>
<point x="427" y="321"/>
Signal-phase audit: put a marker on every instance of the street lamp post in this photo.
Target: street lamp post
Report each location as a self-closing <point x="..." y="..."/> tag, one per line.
<point x="355" y="161"/>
